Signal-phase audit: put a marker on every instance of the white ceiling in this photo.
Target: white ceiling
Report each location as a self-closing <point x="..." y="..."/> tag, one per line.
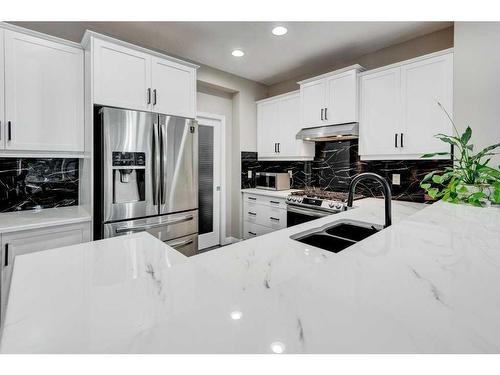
<point x="268" y="59"/>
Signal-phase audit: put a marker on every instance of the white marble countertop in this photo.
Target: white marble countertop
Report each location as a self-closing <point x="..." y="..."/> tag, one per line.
<point x="47" y="217"/>
<point x="427" y="284"/>
<point x="270" y="193"/>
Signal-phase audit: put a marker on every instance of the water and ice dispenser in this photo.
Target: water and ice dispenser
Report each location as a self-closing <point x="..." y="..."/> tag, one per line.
<point x="129" y="177"/>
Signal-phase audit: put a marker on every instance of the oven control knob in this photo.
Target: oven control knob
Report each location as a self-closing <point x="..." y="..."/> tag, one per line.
<point x="331" y="204"/>
<point x="338" y="206"/>
<point x="288" y="198"/>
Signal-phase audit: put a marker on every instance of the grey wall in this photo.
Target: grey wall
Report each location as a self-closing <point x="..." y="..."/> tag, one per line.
<point x="423" y="45"/>
<point x="477" y="81"/>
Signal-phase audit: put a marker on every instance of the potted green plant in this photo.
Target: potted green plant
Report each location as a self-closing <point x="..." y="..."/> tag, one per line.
<point x="470" y="180"/>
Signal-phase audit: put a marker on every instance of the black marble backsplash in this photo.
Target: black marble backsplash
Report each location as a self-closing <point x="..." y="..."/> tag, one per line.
<point x="31" y="183"/>
<point x="334" y="165"/>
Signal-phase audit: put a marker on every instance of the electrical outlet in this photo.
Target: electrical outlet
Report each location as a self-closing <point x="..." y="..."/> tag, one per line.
<point x="249" y="174"/>
<point x="290" y="173"/>
<point x="396" y="179"/>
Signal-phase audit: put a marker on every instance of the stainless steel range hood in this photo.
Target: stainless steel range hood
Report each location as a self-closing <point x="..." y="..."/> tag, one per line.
<point x="330" y="133"/>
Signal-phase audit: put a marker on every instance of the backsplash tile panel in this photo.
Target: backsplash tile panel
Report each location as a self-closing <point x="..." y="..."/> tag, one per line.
<point x="31" y="183"/>
<point x="335" y="164"/>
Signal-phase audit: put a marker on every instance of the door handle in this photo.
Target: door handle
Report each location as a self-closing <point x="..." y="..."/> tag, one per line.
<point x="322" y="109"/>
<point x="179" y="243"/>
<point x="274" y="202"/>
<point x="402" y="140"/>
<point x="274" y="218"/>
<point x="326" y="117"/>
<point x="252" y="198"/>
<point x="9" y="131"/>
<point x="148" y="96"/>
<point x="278" y="148"/>
<point x="252" y="233"/>
<point x="396" y="140"/>
<point x="151" y="226"/>
<point x="252" y="213"/>
<point x="154" y="97"/>
<point x="163" y="153"/>
<point x="156" y="164"/>
<point x="6" y="257"/>
<point x="275" y="149"/>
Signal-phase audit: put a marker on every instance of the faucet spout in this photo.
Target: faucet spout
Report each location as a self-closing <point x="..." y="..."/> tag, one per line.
<point x="385" y="187"/>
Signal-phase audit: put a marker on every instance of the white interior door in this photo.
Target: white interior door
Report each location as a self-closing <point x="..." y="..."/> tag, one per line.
<point x="209" y="182"/>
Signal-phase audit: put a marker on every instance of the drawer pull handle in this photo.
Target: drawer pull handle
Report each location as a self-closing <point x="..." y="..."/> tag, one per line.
<point x="252" y="213"/>
<point x="274" y="202"/>
<point x="252" y="233"/>
<point x="252" y="198"/>
<point x="274" y="218"/>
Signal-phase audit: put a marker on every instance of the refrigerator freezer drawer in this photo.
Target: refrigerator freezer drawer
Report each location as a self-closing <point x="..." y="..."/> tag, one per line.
<point x="187" y="245"/>
<point x="165" y="227"/>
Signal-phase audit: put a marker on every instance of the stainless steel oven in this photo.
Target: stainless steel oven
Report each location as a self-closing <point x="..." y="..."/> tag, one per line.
<point x="297" y="215"/>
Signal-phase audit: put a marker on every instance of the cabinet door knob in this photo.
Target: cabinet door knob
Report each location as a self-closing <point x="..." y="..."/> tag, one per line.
<point x="396" y="140"/>
<point x="326" y="110"/>
<point x="402" y="140"/>
<point x="154" y="97"/>
<point x="9" y="131"/>
<point x="148" y="96"/>
<point x="322" y="109"/>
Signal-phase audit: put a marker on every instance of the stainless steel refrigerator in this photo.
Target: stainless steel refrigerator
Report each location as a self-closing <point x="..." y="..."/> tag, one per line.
<point x="146" y="177"/>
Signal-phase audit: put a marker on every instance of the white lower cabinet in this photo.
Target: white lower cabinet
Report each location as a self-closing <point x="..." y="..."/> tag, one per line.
<point x="30" y="241"/>
<point x="262" y="214"/>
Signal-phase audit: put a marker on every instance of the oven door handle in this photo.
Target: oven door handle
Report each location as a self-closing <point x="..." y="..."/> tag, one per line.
<point x="151" y="226"/>
<point x="306" y="211"/>
<point x="179" y="243"/>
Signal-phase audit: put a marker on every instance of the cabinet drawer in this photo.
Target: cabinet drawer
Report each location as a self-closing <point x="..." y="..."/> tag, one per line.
<point x="251" y="230"/>
<point x="266" y="200"/>
<point x="269" y="216"/>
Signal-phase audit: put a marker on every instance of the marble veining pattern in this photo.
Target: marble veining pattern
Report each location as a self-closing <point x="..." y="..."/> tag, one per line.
<point x="427" y="284"/>
<point x="29" y="183"/>
<point x="335" y="164"/>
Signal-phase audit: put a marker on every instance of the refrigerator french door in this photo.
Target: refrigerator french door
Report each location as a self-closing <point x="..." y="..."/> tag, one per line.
<point x="147" y="176"/>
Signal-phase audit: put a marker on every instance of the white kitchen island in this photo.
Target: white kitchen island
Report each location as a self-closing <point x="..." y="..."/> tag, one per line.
<point x="430" y="283"/>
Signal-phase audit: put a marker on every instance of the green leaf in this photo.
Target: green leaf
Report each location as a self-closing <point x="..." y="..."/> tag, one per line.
<point x="425" y="186"/>
<point x="433" y="193"/>
<point x="428" y="176"/>
<point x="437" y="179"/>
<point x="466" y="136"/>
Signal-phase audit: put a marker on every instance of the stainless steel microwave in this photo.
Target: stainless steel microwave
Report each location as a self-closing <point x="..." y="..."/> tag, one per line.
<point x="272" y="181"/>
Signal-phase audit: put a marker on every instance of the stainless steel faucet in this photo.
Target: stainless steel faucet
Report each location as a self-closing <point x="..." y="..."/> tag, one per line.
<point x="385" y="186"/>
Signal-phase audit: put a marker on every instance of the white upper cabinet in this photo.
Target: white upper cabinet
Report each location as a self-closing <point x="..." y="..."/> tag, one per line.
<point x="44" y="95"/>
<point x="330" y="99"/>
<point x="267" y="129"/>
<point x="131" y="77"/>
<point x="342" y="98"/>
<point x="174" y="88"/>
<point x="424" y="84"/>
<point x="399" y="113"/>
<point x="278" y="121"/>
<point x="2" y="94"/>
<point x="122" y="76"/>
<point x="380" y="117"/>
<point x="312" y="103"/>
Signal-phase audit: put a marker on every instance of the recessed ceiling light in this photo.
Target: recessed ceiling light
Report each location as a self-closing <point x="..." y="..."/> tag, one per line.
<point x="238" y="53"/>
<point x="278" y="347"/>
<point x="280" y="30"/>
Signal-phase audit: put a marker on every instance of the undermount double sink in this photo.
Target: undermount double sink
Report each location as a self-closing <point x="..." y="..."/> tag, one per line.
<point x="337" y="236"/>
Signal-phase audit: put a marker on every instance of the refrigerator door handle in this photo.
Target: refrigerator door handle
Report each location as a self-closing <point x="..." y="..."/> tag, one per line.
<point x="150" y="226"/>
<point x="156" y="164"/>
<point x="163" y="151"/>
